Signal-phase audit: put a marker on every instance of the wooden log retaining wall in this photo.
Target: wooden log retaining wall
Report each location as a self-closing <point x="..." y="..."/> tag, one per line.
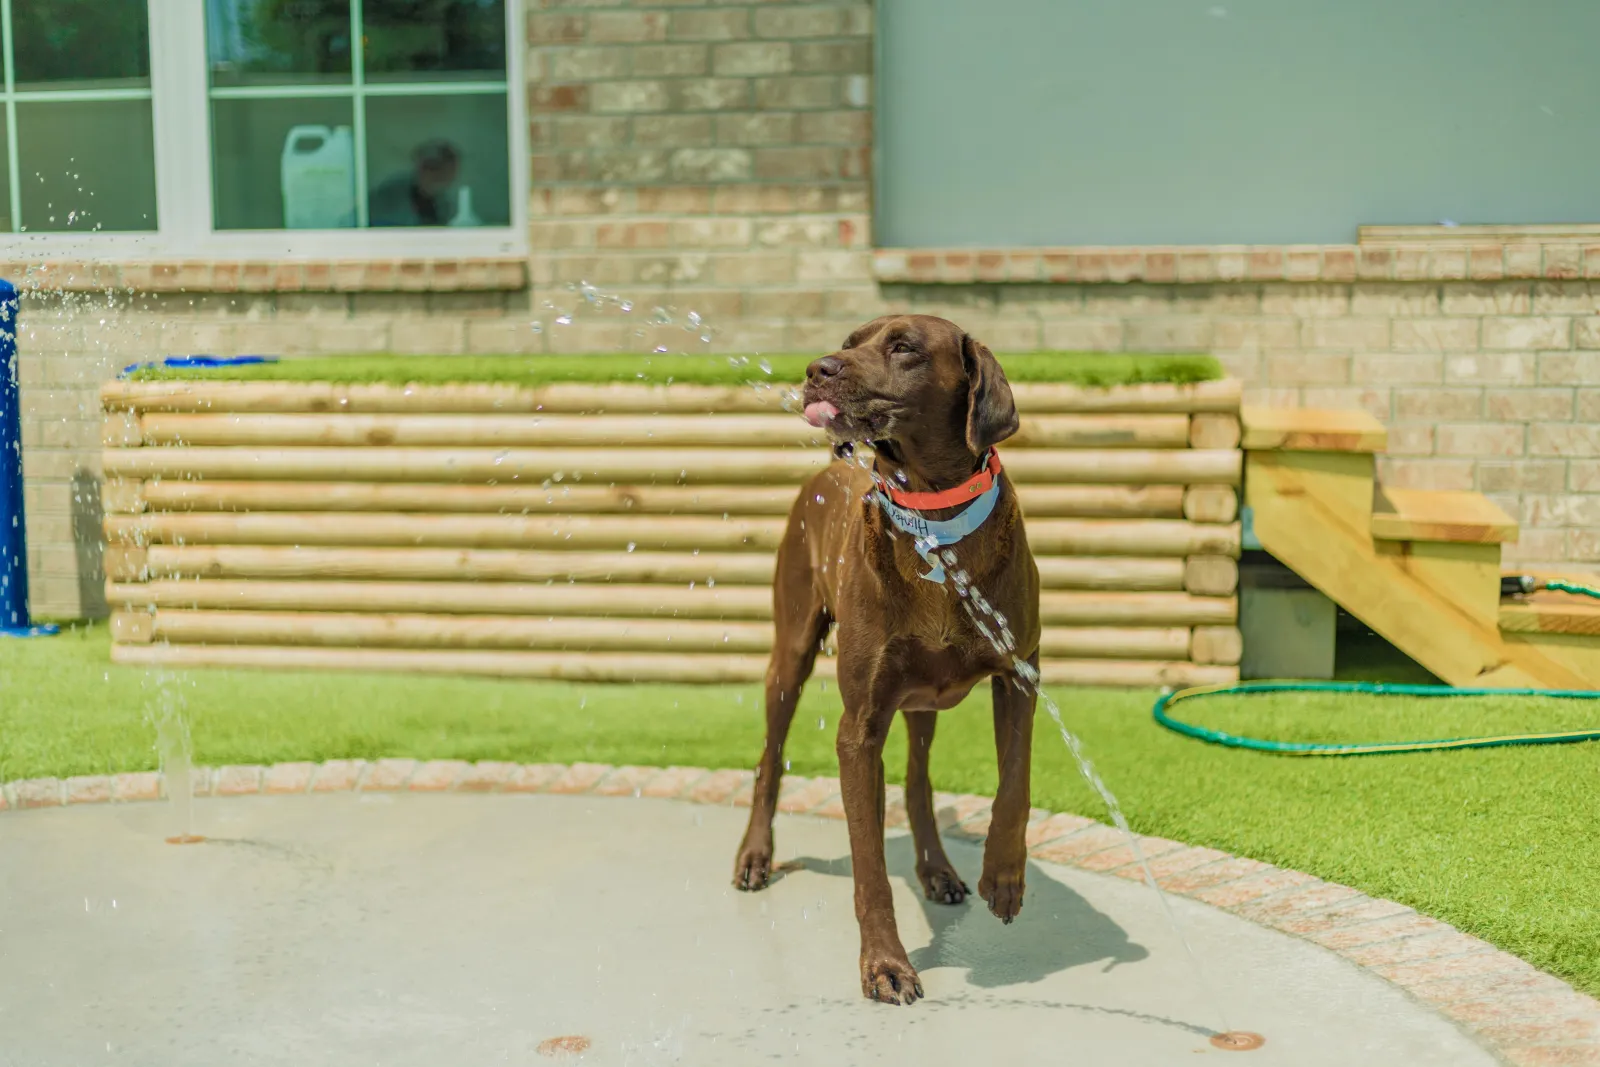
<point x="615" y="532"/>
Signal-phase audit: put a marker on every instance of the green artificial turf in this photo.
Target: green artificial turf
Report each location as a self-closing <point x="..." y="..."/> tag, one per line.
<point x="1497" y="842"/>
<point x="1081" y="368"/>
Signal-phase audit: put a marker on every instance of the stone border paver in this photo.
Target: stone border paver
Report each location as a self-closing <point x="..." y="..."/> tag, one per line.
<point x="1529" y="1018"/>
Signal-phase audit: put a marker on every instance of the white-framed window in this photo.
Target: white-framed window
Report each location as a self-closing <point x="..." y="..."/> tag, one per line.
<point x="251" y="129"/>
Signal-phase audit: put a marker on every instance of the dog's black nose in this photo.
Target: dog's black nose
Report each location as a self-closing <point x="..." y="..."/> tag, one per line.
<point x="826" y="367"/>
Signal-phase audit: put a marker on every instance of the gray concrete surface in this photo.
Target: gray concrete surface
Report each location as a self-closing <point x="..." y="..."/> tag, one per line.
<point x="464" y="930"/>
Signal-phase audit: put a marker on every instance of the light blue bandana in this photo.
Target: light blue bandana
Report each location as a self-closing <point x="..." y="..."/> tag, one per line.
<point x="931" y="535"/>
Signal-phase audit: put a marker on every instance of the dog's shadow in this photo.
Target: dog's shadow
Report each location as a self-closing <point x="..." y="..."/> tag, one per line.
<point x="1057" y="930"/>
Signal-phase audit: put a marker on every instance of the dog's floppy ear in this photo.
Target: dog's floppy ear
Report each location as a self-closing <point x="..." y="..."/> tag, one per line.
<point x="991" y="412"/>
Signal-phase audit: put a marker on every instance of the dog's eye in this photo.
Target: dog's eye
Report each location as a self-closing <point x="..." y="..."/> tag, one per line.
<point x="902" y="348"/>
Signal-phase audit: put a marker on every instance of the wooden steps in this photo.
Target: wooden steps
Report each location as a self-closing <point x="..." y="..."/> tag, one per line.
<point x="1310" y="430"/>
<point x="1422" y="568"/>
<point x="1439" y="515"/>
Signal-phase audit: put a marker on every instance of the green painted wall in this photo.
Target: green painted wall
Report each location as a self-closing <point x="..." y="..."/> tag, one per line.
<point x="1050" y="122"/>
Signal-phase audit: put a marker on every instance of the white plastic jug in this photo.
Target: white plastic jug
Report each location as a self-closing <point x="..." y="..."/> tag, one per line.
<point x="319" y="178"/>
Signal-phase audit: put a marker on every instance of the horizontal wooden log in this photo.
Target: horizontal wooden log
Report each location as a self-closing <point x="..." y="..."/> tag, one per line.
<point x="1072" y="537"/>
<point x="442" y="564"/>
<point x="1109" y="573"/>
<point x="1211" y="503"/>
<point x="121" y="429"/>
<point x="1214" y="430"/>
<point x="573" y="634"/>
<point x="1142" y="537"/>
<point x="1217" y="644"/>
<point x="1114" y="642"/>
<point x="610" y="667"/>
<point x="620" y="397"/>
<point x="1129" y="467"/>
<point x="1135" y="609"/>
<point x="708" y="466"/>
<point x="753" y="602"/>
<point x="544" y="532"/>
<point x="133" y="563"/>
<point x="559" y="633"/>
<point x="690" y="668"/>
<point x="1149" y="397"/>
<point x="1134" y="674"/>
<point x="487" y="430"/>
<point x="1101" y="501"/>
<point x="464" y="398"/>
<point x="650" y="466"/>
<point x="783" y="430"/>
<point x="1211" y="575"/>
<point x="122" y="496"/>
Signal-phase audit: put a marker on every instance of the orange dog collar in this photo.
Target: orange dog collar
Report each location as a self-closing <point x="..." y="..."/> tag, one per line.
<point x="966" y="492"/>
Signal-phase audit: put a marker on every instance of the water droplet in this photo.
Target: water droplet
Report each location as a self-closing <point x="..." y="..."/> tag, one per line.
<point x="563" y="320"/>
<point x="766" y="368"/>
<point x="632" y="546"/>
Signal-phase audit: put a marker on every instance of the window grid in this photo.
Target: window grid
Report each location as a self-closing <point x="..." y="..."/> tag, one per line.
<point x="358" y="90"/>
<point x="180" y="94"/>
<point x="13" y="97"/>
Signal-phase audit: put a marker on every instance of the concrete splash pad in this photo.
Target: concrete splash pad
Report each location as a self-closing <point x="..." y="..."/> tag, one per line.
<point x="409" y="930"/>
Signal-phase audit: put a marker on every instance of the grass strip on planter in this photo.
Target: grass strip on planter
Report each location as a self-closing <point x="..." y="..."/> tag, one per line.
<point x="1497" y="842"/>
<point x="1098" y="369"/>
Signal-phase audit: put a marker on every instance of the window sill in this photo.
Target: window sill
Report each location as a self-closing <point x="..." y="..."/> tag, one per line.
<point x="272" y="276"/>
<point x="1442" y="258"/>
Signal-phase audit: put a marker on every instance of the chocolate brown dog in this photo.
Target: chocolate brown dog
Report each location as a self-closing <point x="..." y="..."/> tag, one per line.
<point x="932" y="402"/>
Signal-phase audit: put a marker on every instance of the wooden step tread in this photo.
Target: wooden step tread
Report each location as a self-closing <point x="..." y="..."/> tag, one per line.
<point x="1548" y="612"/>
<point x="1439" y="515"/>
<point x="1269" y="429"/>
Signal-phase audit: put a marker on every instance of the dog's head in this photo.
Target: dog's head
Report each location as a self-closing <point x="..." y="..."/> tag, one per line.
<point x="914" y="381"/>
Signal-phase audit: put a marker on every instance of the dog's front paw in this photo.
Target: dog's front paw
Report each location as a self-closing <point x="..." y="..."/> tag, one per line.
<point x="888" y="977"/>
<point x="753" y="869"/>
<point x="1002" y="891"/>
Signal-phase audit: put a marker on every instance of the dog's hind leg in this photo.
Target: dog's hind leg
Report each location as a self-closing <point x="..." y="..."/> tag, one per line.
<point x="934" y="870"/>
<point x="802" y="624"/>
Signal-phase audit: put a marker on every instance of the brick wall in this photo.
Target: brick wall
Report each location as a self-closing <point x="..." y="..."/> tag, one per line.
<point x="714" y="159"/>
<point x="1492" y="386"/>
<point x="708" y="158"/>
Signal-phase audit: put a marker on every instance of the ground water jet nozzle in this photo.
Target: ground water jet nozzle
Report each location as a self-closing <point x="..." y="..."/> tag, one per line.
<point x="1238" y="1041"/>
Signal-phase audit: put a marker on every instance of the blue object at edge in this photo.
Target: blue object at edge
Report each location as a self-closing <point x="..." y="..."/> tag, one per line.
<point x="14" y="621"/>
<point x="186" y="362"/>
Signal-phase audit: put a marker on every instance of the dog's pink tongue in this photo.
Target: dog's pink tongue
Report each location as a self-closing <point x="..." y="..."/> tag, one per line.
<point x="820" y="413"/>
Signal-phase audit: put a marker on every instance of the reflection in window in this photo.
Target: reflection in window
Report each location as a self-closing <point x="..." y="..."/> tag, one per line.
<point x="438" y="161"/>
<point x="328" y="114"/>
<point x="278" y="42"/>
<point x="79" y="137"/>
<point x="422" y="39"/>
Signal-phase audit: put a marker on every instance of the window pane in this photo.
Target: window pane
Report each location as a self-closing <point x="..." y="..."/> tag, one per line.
<point x="278" y="42"/>
<point x="61" y="44"/>
<point x="7" y="224"/>
<point x="423" y="40"/>
<point x="87" y="165"/>
<point x="438" y="160"/>
<point x="283" y="164"/>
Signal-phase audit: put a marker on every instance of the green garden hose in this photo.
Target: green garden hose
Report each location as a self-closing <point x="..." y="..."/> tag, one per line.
<point x="1300" y="748"/>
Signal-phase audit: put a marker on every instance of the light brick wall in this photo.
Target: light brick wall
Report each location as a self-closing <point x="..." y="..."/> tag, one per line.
<point x="714" y="159"/>
<point x="1487" y="386"/>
